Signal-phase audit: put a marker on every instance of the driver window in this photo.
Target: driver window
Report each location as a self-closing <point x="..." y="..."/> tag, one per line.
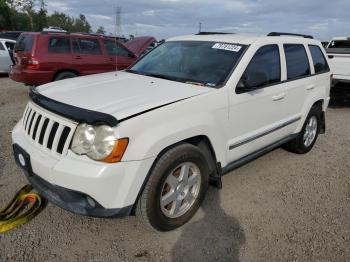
<point x="264" y="69"/>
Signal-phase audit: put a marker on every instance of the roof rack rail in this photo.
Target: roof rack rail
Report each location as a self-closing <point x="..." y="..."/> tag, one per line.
<point x="290" y="34"/>
<point x="54" y="32"/>
<point x="90" y="34"/>
<point x="214" y="33"/>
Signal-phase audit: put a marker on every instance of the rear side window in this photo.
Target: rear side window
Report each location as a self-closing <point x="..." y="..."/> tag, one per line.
<point x="297" y="61"/>
<point x="340" y="44"/>
<point x="10" y="45"/>
<point x="320" y="62"/>
<point x="87" y="46"/>
<point x="116" y="49"/>
<point x="24" y="43"/>
<point x="264" y="68"/>
<point x="59" y="45"/>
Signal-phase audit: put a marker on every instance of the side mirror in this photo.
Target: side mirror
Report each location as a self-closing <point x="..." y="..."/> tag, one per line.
<point x="252" y="81"/>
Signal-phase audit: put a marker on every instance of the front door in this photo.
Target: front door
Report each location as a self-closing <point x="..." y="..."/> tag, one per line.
<point x="257" y="115"/>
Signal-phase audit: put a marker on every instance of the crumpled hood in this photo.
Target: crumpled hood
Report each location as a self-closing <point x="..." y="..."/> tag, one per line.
<point x="121" y="95"/>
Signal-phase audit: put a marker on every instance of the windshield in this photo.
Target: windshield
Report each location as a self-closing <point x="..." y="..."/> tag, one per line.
<point x="202" y="63"/>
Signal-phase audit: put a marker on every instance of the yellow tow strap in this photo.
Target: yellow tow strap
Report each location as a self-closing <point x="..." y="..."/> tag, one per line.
<point x="11" y="216"/>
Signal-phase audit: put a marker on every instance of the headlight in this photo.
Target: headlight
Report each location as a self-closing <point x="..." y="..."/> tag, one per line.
<point x="98" y="143"/>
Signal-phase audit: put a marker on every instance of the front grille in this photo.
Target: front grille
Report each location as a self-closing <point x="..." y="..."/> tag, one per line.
<point x="47" y="130"/>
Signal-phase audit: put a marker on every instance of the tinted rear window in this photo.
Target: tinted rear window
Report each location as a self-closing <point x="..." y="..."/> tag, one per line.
<point x="297" y="61"/>
<point x="320" y="62"/>
<point x="59" y="45"/>
<point x="24" y="43"/>
<point x="87" y="46"/>
<point x="340" y="44"/>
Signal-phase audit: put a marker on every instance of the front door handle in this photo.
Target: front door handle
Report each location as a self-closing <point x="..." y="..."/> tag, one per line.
<point x="78" y="57"/>
<point x="279" y="97"/>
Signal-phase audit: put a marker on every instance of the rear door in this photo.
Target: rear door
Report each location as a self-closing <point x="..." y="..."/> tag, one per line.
<point x="88" y="56"/>
<point x="300" y="82"/>
<point x="59" y="54"/>
<point x="118" y="56"/>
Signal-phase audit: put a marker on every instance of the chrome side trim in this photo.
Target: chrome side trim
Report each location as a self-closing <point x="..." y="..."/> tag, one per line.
<point x="269" y="131"/>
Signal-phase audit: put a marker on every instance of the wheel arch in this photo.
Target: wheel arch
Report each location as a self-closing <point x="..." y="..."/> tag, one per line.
<point x="65" y="70"/>
<point x="200" y="141"/>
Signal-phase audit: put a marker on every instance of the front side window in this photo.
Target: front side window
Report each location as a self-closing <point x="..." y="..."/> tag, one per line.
<point x="320" y="62"/>
<point x="59" y="45"/>
<point x="297" y="61"/>
<point x="114" y="49"/>
<point x="197" y="62"/>
<point x="264" y="69"/>
<point x="86" y="46"/>
<point x="1" y="46"/>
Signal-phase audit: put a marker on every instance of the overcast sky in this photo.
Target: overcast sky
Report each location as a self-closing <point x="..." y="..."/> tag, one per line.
<point x="165" y="18"/>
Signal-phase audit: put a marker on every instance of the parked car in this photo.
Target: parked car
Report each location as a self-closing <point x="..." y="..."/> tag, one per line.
<point x="6" y="48"/>
<point x="148" y="140"/>
<point x="50" y="56"/>
<point x="13" y="35"/>
<point x="141" y="45"/>
<point x="338" y="51"/>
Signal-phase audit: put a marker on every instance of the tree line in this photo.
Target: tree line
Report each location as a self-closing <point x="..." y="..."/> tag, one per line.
<point x="32" y="15"/>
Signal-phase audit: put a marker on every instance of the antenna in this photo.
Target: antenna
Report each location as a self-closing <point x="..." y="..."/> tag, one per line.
<point x="117" y="33"/>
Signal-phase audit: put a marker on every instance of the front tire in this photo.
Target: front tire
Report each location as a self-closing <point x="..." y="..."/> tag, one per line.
<point x="306" y="139"/>
<point x="65" y="75"/>
<point x="175" y="189"/>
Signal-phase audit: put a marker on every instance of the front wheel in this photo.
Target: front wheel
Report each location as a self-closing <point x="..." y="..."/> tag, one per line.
<point x="65" y="75"/>
<point x="176" y="188"/>
<point x="306" y="139"/>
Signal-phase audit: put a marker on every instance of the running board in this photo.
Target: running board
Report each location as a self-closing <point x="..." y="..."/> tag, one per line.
<point x="246" y="159"/>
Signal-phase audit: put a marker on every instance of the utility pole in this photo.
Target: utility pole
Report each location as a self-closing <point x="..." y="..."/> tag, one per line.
<point x="117" y="32"/>
<point x="200" y="27"/>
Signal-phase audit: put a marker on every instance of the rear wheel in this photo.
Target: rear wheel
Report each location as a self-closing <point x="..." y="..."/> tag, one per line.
<point x="65" y="75"/>
<point x="176" y="188"/>
<point x="306" y="139"/>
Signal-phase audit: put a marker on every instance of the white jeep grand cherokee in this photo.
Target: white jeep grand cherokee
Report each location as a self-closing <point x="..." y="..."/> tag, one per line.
<point x="149" y="140"/>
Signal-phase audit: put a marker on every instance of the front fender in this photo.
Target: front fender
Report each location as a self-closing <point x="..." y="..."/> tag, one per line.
<point x="156" y="130"/>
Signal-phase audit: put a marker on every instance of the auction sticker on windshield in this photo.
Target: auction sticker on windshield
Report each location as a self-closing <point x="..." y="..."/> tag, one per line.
<point x="228" y="47"/>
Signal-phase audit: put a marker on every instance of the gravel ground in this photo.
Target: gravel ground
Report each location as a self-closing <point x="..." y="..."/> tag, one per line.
<point x="281" y="207"/>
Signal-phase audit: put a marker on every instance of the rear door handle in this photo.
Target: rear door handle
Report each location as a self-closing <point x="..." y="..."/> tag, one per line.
<point x="78" y="57"/>
<point x="279" y="97"/>
<point x="310" y="87"/>
<point x="330" y="56"/>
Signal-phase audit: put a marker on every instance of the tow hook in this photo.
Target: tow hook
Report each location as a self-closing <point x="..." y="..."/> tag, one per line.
<point x="23" y="207"/>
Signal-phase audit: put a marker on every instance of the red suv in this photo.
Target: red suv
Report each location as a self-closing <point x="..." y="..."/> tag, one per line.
<point x="46" y="56"/>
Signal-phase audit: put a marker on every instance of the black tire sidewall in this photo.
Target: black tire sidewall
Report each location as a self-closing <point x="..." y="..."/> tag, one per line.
<point x="65" y="75"/>
<point x="156" y="217"/>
